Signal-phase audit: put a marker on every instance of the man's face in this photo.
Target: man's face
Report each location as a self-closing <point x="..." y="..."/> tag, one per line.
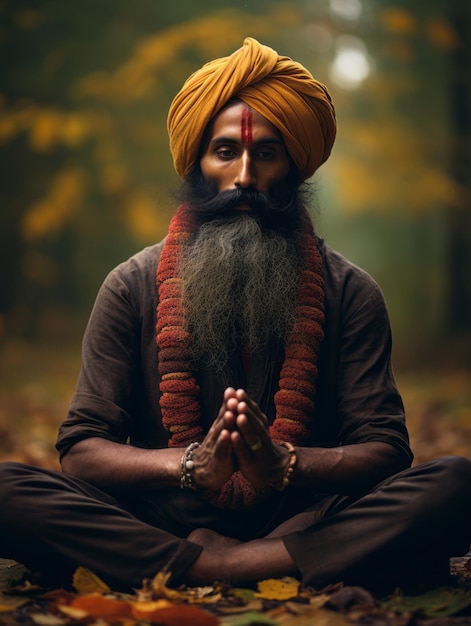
<point x="243" y="149"/>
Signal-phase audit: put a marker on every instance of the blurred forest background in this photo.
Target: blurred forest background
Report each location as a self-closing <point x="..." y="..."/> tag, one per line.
<point x="86" y="177"/>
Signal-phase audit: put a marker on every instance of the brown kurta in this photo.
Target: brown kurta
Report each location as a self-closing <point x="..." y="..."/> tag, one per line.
<point x="117" y="396"/>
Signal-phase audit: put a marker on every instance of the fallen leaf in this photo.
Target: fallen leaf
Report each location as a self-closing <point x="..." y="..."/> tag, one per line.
<point x="96" y="605"/>
<point x="254" y="618"/>
<point x="436" y="603"/>
<point x="72" y="612"/>
<point x="278" y="589"/>
<point x="182" y="615"/>
<point x="144" y="610"/>
<point x="60" y="596"/>
<point x="244" y="594"/>
<point x="197" y="595"/>
<point x="85" y="581"/>
<point x="302" y="607"/>
<point x="47" y="619"/>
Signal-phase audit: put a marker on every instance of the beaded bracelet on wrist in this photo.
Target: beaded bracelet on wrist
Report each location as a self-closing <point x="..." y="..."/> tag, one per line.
<point x="187" y="466"/>
<point x="285" y="480"/>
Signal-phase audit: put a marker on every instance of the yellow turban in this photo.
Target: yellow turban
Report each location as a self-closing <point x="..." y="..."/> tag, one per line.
<point x="277" y="87"/>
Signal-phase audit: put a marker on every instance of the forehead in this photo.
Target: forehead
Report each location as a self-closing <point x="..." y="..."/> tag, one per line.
<point x="240" y="122"/>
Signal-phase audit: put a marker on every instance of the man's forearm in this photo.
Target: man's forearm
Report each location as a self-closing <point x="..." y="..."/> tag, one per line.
<point x="347" y="469"/>
<point x="108" y="464"/>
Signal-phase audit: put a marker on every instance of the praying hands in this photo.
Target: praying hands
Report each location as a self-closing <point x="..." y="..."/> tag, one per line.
<point x="239" y="439"/>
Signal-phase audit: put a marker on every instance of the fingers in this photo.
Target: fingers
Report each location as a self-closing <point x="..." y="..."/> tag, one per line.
<point x="246" y="406"/>
<point x="241" y="417"/>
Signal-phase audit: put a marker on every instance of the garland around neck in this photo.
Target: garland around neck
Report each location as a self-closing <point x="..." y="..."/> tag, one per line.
<point x="294" y="401"/>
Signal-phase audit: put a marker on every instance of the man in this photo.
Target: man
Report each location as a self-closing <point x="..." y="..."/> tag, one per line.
<point x="236" y="416"/>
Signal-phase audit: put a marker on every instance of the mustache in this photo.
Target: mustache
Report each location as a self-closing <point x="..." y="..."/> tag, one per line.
<point x="266" y="208"/>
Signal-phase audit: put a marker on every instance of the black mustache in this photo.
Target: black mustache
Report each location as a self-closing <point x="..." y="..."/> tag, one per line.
<point x="225" y="202"/>
<point x="222" y="204"/>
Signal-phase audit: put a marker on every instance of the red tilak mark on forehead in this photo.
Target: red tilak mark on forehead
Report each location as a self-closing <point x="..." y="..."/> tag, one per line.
<point x="246" y="125"/>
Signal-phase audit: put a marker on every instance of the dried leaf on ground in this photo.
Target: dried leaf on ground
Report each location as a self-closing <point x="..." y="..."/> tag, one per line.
<point x="180" y="615"/>
<point x="194" y="595"/>
<point x="278" y="588"/>
<point x="85" y="581"/>
<point x="435" y="603"/>
<point x="97" y="605"/>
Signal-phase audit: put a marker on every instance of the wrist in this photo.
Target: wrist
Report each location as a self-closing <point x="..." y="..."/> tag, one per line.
<point x="187" y="465"/>
<point x="288" y="470"/>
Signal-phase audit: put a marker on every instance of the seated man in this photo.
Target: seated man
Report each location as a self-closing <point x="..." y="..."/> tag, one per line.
<point x="236" y="415"/>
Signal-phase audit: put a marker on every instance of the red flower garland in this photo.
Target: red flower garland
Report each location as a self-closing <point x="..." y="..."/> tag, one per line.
<point x="179" y="390"/>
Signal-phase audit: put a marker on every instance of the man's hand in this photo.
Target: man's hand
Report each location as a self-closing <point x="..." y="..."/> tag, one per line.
<point x="215" y="461"/>
<point x="260" y="460"/>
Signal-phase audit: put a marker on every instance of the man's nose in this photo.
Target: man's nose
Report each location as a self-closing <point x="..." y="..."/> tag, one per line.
<point x="245" y="176"/>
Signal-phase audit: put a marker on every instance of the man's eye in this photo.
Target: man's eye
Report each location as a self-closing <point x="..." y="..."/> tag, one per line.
<point x="225" y="153"/>
<point x="265" y="155"/>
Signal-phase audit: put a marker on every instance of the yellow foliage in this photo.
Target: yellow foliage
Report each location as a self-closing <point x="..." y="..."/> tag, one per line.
<point x="48" y="127"/>
<point x="62" y="201"/>
<point x="51" y="127"/>
<point x="399" y="20"/>
<point x="387" y="168"/>
<point x="441" y="34"/>
<point x="159" y="55"/>
<point x="142" y="216"/>
<point x="44" y="129"/>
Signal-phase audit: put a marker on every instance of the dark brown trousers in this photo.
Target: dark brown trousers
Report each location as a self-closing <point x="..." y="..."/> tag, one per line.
<point x="401" y="533"/>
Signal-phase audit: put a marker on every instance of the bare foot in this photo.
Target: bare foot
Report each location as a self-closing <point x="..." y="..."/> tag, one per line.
<point x="211" y="540"/>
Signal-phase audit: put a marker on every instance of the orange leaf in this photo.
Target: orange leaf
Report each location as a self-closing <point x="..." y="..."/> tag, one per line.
<point x="181" y="615"/>
<point x="96" y="605"/>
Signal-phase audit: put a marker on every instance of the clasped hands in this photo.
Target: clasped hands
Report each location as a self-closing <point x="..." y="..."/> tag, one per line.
<point x="239" y="440"/>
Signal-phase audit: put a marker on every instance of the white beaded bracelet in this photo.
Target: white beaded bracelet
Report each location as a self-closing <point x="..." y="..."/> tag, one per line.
<point x="187" y="466"/>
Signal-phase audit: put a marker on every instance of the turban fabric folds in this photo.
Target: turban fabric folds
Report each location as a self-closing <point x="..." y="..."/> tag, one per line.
<point x="280" y="89"/>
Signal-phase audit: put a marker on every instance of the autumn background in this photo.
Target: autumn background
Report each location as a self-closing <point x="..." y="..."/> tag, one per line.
<point x="86" y="177"/>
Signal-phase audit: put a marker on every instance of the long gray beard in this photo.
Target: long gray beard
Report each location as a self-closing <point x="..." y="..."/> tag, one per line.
<point x="240" y="288"/>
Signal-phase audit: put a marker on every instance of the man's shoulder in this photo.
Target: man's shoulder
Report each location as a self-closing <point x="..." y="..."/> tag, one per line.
<point x="346" y="281"/>
<point x="139" y="268"/>
<point x="341" y="268"/>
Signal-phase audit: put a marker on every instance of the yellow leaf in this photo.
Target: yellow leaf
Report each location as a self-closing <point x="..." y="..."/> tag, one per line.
<point x="278" y="588"/>
<point x="85" y="581"/>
